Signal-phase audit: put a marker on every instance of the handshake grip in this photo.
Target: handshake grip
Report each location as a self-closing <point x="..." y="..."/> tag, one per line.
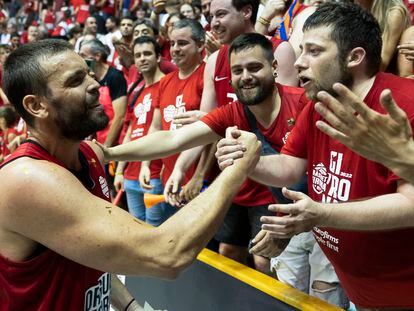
<point x="153" y="199"/>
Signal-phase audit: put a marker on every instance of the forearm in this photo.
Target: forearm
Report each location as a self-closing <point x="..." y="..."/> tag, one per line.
<point x="403" y="164"/>
<point x="278" y="170"/>
<point x="191" y="229"/>
<point x="188" y="157"/>
<point x="384" y="212"/>
<point x="206" y="161"/>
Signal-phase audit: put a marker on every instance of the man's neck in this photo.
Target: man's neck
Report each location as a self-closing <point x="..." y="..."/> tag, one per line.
<point x="267" y="111"/>
<point x="184" y="73"/>
<point x="127" y="40"/>
<point x="248" y="29"/>
<point x="66" y="151"/>
<point x="100" y="70"/>
<point x="153" y="77"/>
<point x="361" y="87"/>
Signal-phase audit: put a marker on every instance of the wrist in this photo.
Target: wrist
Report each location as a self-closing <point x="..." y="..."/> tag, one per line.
<point x="131" y="305"/>
<point x="264" y="21"/>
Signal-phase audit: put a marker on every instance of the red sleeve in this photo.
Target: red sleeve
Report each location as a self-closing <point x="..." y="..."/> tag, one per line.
<point x="219" y="119"/>
<point x="296" y="144"/>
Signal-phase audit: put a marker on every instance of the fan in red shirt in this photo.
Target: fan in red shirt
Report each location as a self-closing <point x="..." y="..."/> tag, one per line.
<point x="360" y="212"/>
<point x="229" y="19"/>
<point x="140" y="115"/>
<point x="181" y="90"/>
<point x="273" y="105"/>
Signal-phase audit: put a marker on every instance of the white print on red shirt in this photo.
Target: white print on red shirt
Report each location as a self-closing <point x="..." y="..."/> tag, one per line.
<point x="170" y="111"/>
<point x="104" y="186"/>
<point x="334" y="186"/>
<point x="97" y="297"/>
<point x="232" y="97"/>
<point x="141" y="110"/>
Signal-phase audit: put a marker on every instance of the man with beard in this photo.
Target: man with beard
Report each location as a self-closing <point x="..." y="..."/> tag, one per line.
<point x="58" y="231"/>
<point x="275" y="108"/>
<point x="360" y="212"/>
<point x="229" y="19"/>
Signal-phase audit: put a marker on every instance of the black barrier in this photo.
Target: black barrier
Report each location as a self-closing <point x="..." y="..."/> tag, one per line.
<point x="216" y="283"/>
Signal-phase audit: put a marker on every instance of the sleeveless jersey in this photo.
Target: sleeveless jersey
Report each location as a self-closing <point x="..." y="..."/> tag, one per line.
<point x="48" y="281"/>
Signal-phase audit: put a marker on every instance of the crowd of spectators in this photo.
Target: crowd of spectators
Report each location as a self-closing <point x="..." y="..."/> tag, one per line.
<point x="176" y="75"/>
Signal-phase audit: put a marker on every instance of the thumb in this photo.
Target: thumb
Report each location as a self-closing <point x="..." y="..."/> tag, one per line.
<point x="293" y="195"/>
<point x="232" y="132"/>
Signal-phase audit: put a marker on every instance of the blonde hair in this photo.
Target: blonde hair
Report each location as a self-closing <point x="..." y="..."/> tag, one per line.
<point x="381" y="8"/>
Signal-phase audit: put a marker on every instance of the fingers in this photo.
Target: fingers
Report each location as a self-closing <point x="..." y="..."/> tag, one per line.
<point x="261" y="246"/>
<point x="392" y="108"/>
<point x="333" y="111"/>
<point x="348" y="98"/>
<point x="170" y="196"/>
<point x="259" y="236"/>
<point x="293" y="195"/>
<point x="330" y="131"/>
<point x="144" y="181"/>
<point x="188" y="117"/>
<point x="233" y="132"/>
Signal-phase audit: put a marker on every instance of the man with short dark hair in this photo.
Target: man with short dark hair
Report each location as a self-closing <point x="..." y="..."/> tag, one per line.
<point x="59" y="234"/>
<point x="360" y="212"/>
<point x="141" y="111"/>
<point x="123" y="46"/>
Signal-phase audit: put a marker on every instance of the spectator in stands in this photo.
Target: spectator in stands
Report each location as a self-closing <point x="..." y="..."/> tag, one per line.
<point x="393" y="18"/>
<point x="14" y="41"/>
<point x="141" y="12"/>
<point x="229" y="19"/>
<point x="147" y="28"/>
<point x="205" y="9"/>
<point x="8" y="119"/>
<point x="78" y="234"/>
<point x="90" y="29"/>
<point x="384" y="138"/>
<point x="180" y="90"/>
<point x="74" y="34"/>
<point x="357" y="208"/>
<point x="112" y="28"/>
<point x="112" y="91"/>
<point x="33" y="34"/>
<point x="123" y="47"/>
<point x="141" y="106"/>
<point x="405" y="61"/>
<point x="166" y="34"/>
<point x="187" y="11"/>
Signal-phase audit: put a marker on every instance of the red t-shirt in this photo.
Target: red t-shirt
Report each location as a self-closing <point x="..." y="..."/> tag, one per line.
<point x="222" y="78"/>
<point x="375" y="268"/>
<point x="176" y="96"/>
<point x="141" y="118"/>
<point x="293" y="100"/>
<point x="48" y="281"/>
